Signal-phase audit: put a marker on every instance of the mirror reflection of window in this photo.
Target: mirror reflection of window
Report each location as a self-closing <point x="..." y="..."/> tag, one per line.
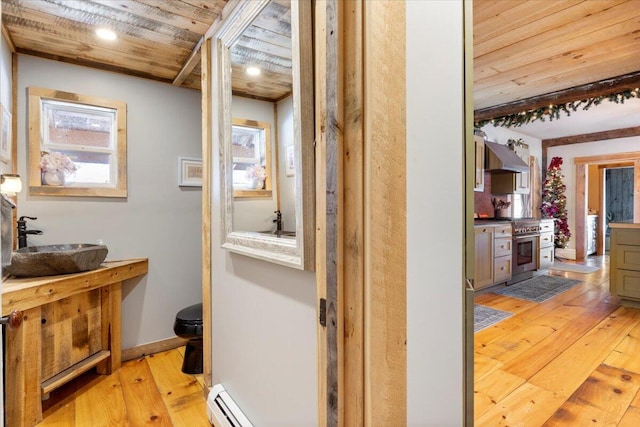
<point x="249" y="153"/>
<point x="87" y="134"/>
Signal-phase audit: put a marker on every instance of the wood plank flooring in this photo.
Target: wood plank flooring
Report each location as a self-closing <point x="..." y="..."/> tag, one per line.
<point x="149" y="391"/>
<point x="573" y="360"/>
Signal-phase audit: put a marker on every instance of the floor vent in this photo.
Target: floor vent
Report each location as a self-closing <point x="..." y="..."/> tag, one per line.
<point x="223" y="411"/>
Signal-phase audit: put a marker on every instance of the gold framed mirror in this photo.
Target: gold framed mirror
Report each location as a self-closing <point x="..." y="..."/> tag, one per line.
<point x="276" y="222"/>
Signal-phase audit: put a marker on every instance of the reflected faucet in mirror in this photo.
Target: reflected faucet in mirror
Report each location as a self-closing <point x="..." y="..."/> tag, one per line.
<point x="278" y="221"/>
<point x="23" y="232"/>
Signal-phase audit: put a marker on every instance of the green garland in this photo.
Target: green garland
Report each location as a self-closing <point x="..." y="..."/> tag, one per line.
<point x="553" y="111"/>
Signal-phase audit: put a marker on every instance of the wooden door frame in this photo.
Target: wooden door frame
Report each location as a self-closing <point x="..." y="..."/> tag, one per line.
<point x="361" y="249"/>
<point x="582" y="166"/>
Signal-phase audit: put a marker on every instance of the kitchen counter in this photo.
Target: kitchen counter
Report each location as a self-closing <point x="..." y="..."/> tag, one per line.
<point x="625" y="225"/>
<point x="70" y="324"/>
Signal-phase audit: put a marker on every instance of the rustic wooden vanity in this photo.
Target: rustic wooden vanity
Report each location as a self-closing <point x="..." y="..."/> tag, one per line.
<point x="71" y="323"/>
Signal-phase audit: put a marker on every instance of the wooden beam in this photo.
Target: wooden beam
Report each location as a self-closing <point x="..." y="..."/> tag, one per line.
<point x="580" y="232"/>
<point x="385" y="230"/>
<point x="353" y="219"/>
<point x="591" y="137"/>
<point x="332" y="255"/>
<point x="600" y="88"/>
<point x="207" y="327"/>
<point x="587" y="137"/>
<point x="8" y="39"/>
<point x="190" y="63"/>
<point x="194" y="57"/>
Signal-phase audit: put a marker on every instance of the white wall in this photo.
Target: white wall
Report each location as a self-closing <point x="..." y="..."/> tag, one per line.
<point x="287" y="183"/>
<point x="158" y="220"/>
<point x="435" y="213"/>
<point x="568" y="153"/>
<point x="264" y="331"/>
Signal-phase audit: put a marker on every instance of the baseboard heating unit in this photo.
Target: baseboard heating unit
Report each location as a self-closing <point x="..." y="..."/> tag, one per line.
<point x="223" y="411"/>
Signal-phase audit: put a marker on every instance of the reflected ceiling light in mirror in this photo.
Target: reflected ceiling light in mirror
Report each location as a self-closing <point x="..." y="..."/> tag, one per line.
<point x="252" y="71"/>
<point x="10" y="184"/>
<point x="106" y="34"/>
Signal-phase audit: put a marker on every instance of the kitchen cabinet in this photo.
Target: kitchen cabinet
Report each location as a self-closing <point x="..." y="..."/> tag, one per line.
<point x="502" y="253"/>
<point x="484" y="256"/>
<point x="479" y="163"/>
<point x="546" y="252"/>
<point x="493" y="247"/>
<point x="510" y="182"/>
<point x="624" y="276"/>
<point x="592" y="233"/>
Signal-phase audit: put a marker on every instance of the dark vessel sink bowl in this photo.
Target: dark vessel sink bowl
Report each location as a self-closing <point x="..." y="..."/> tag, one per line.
<point x="51" y="260"/>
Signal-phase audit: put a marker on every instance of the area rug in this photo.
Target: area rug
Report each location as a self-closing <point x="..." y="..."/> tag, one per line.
<point x="538" y="288"/>
<point x="483" y="317"/>
<point x="574" y="268"/>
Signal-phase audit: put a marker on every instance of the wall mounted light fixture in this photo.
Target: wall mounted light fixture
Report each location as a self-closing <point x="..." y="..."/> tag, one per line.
<point x="10" y="184"/>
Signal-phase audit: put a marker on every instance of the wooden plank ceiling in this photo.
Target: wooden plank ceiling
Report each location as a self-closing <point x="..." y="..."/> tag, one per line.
<point x="523" y="49"/>
<point x="156" y="39"/>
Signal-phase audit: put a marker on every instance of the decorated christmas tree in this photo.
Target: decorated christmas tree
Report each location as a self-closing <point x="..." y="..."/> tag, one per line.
<point x="554" y="202"/>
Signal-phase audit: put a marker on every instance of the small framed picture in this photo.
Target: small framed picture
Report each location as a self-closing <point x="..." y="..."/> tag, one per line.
<point x="290" y="164"/>
<point x="189" y="172"/>
<point x="5" y="136"/>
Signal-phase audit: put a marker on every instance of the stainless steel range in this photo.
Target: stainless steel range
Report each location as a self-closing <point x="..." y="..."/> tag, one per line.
<point x="526" y="233"/>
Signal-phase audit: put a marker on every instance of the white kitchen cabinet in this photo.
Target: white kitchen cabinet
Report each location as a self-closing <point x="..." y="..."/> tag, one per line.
<point x="546" y="253"/>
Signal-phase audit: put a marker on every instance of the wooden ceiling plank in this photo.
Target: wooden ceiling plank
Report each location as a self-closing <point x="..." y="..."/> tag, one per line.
<point x="119" y="21"/>
<point x="68" y="30"/>
<point x="598" y="88"/>
<point x="485" y="10"/>
<point x="560" y="76"/>
<point x="215" y="6"/>
<point x="593" y="29"/>
<point x="120" y="61"/>
<point x="175" y="13"/>
<point x="624" y="49"/>
<point x="264" y="46"/>
<point x="525" y="18"/>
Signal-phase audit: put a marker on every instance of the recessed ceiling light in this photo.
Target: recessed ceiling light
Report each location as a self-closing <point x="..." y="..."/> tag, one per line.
<point x="106" y="34"/>
<point x="253" y="71"/>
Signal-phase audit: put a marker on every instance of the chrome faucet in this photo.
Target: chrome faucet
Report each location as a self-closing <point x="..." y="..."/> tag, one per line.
<point x="278" y="221"/>
<point x="23" y="232"/>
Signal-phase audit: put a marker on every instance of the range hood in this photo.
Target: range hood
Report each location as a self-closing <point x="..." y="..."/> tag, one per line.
<point x="501" y="158"/>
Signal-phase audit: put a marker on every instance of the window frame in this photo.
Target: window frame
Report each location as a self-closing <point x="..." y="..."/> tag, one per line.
<point x="36" y="97"/>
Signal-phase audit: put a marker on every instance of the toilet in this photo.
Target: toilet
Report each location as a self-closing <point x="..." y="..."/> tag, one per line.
<point x="188" y="325"/>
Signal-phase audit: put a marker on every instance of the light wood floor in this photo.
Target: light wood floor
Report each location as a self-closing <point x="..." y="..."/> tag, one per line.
<point x="573" y="360"/>
<point x="149" y="391"/>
